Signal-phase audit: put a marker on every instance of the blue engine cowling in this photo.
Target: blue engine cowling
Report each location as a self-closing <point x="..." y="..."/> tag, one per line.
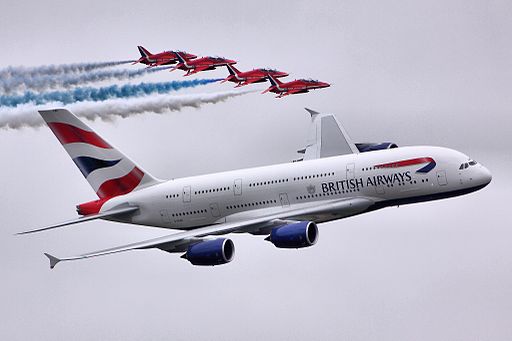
<point x="211" y="252"/>
<point x="368" y="147"/>
<point x="295" y="235"/>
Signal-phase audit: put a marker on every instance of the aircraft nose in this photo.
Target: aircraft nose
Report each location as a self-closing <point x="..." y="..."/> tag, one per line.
<point x="485" y="176"/>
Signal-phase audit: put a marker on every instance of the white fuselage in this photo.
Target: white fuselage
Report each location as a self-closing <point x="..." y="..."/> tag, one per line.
<point x="242" y="194"/>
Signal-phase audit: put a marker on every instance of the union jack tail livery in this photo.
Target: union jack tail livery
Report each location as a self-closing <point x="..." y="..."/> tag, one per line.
<point x="108" y="171"/>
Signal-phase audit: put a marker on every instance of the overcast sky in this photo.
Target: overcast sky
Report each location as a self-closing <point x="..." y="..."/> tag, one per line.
<point x="412" y="72"/>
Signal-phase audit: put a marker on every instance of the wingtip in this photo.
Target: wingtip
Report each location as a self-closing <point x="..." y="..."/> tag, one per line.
<point x="312" y="113"/>
<point x="53" y="260"/>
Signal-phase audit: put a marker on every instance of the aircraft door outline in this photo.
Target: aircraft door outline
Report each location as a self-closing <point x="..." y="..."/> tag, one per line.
<point x="441" y="178"/>
<point x="237" y="187"/>
<point x="186" y="194"/>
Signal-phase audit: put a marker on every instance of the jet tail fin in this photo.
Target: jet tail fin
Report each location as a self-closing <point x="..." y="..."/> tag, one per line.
<point x="232" y="70"/>
<point x="143" y="52"/>
<point x="180" y="57"/>
<point x="274" y="81"/>
<point x="108" y="171"/>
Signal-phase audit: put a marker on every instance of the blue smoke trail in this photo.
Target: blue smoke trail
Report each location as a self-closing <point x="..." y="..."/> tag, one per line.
<point x="101" y="94"/>
<point x="18" y="83"/>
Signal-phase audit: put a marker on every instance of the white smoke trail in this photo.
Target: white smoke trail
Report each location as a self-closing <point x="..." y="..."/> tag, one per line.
<point x="22" y="82"/>
<point x="27" y="116"/>
<point x="34" y="71"/>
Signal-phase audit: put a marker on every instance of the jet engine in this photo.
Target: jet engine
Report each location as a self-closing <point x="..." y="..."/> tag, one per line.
<point x="368" y="147"/>
<point x="210" y="252"/>
<point x="295" y="235"/>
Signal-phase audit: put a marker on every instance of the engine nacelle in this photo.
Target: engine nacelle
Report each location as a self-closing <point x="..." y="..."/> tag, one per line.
<point x="294" y="236"/>
<point x="211" y="252"/>
<point x="368" y="147"/>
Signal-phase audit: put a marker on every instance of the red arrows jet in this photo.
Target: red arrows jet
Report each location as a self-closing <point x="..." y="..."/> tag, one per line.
<point x="158" y="59"/>
<point x="249" y="77"/>
<point x="200" y="64"/>
<point x="298" y="86"/>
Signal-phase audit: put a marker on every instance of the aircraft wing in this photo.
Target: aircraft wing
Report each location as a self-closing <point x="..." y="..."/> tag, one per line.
<point x="170" y="242"/>
<point x="251" y="80"/>
<point x="291" y="92"/>
<point x="326" y="138"/>
<point x="161" y="62"/>
<point x="200" y="68"/>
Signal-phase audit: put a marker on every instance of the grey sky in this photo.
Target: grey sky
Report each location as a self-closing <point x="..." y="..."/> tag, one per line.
<point x="413" y="72"/>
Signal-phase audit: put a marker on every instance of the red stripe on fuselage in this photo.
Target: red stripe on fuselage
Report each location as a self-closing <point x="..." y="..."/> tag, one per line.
<point x="120" y="186"/>
<point x="405" y="163"/>
<point x="67" y="133"/>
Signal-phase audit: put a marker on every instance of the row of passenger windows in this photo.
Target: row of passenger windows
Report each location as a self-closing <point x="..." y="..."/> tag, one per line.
<point x="172" y="196"/>
<point x="321" y="175"/>
<point x="270" y="182"/>
<point x="368" y="169"/>
<point x="180" y="214"/>
<point x="252" y="204"/>
<point x="212" y="190"/>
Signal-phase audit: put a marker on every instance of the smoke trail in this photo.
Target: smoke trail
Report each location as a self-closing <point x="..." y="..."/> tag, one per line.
<point x="100" y="94"/>
<point x="35" y="71"/>
<point x="22" y="82"/>
<point x="27" y="116"/>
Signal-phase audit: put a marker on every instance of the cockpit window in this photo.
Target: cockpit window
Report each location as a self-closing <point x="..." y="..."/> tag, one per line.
<point x="472" y="162"/>
<point x="467" y="164"/>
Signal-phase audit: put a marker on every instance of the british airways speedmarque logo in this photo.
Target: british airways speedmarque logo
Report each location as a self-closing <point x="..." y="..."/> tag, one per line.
<point x="390" y="179"/>
<point x="430" y="164"/>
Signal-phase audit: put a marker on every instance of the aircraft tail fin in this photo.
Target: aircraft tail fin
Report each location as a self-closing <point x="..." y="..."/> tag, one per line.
<point x="143" y="52"/>
<point x="274" y="81"/>
<point x="108" y="171"/>
<point x="233" y="71"/>
<point x="180" y="58"/>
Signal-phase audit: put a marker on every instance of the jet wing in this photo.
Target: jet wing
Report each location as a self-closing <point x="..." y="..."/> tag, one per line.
<point x="344" y="206"/>
<point x="199" y="69"/>
<point x="327" y="138"/>
<point x="252" y="80"/>
<point x="291" y="92"/>
<point x="161" y="62"/>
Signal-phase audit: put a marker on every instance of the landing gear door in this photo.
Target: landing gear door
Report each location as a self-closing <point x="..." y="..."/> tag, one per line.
<point x="237" y="187"/>
<point x="186" y="194"/>
<point x="441" y="178"/>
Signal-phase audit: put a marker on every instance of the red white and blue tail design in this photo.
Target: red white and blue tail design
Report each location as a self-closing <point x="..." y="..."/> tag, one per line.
<point x="107" y="170"/>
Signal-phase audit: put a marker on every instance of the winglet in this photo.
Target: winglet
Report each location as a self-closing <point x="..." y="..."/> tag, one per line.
<point x="312" y="113"/>
<point x="53" y="260"/>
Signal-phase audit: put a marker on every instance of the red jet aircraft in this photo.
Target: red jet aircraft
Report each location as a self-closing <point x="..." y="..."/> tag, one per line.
<point x="249" y="77"/>
<point x="298" y="86"/>
<point x="158" y="59"/>
<point x="200" y="64"/>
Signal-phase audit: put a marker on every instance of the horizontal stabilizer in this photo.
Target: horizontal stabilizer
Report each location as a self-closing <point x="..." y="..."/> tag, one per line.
<point x="109" y="213"/>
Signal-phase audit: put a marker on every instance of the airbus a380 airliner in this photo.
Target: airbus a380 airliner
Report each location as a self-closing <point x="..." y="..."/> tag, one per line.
<point x="336" y="178"/>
